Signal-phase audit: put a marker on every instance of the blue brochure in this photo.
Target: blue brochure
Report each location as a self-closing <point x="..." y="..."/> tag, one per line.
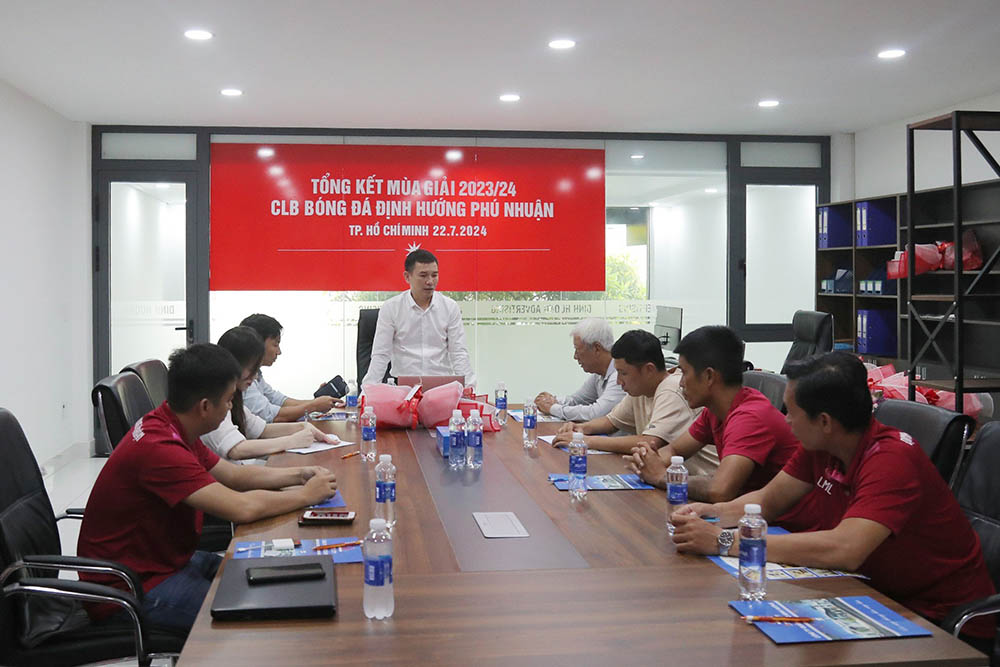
<point x="334" y="501"/>
<point x="602" y="482"/>
<point x="854" y="617"/>
<point x="266" y="548"/>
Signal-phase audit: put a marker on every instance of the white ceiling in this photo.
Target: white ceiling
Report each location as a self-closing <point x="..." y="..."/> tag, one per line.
<point x="664" y="65"/>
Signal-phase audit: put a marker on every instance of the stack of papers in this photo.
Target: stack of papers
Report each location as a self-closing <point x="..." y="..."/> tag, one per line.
<point x="602" y="482"/>
<point x="333" y="442"/>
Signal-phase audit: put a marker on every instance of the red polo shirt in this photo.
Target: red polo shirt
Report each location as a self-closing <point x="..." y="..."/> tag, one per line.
<point x="752" y="428"/>
<point x="932" y="560"/>
<point x="135" y="514"/>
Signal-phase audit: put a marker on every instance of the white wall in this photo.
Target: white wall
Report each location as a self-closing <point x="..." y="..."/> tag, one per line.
<point x="45" y="280"/>
<point x="841" y="166"/>
<point x="880" y="153"/>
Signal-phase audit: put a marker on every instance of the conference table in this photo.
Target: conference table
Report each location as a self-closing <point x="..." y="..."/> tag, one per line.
<point x="596" y="582"/>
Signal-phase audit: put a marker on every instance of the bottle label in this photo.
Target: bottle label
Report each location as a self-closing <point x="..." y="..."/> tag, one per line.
<point x="378" y="571"/>
<point x="352" y="401"/>
<point x="385" y="492"/>
<point x="367" y="432"/>
<point x="677" y="494"/>
<point x="530" y="421"/>
<point x="578" y="465"/>
<point x="458" y="439"/>
<point x="474" y="439"/>
<point x="501" y="403"/>
<point x="753" y="553"/>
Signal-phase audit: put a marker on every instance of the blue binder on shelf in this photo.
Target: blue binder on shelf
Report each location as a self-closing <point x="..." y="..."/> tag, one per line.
<point x="833" y="228"/>
<point x="874" y="223"/>
<point x="877" y="332"/>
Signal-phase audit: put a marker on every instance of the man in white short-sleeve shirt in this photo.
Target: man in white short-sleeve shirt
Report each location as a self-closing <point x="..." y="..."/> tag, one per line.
<point x="420" y="331"/>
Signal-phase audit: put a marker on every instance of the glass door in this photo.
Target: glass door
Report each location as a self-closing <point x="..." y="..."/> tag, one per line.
<point x="145" y="285"/>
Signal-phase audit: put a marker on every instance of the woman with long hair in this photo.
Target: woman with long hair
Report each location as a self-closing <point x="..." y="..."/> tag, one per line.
<point x="245" y="435"/>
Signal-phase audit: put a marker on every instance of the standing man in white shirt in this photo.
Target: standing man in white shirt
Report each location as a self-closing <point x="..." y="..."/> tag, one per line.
<point x="600" y="393"/>
<point x="420" y="331"/>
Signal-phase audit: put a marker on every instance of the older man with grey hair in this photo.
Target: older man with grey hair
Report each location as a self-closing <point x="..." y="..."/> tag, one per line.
<point x="592" y="341"/>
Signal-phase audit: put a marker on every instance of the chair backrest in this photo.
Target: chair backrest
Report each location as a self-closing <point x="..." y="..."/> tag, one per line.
<point x="979" y="495"/>
<point x="812" y="334"/>
<point x="27" y="522"/>
<point x="367" y="322"/>
<point x="941" y="433"/>
<point x="153" y="374"/>
<point x="771" y="385"/>
<point x="120" y="400"/>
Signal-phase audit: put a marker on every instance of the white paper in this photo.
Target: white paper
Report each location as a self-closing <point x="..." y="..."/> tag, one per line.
<point x="318" y="447"/>
<point x="550" y="438"/>
<point x="547" y="438"/>
<point x="499" y="524"/>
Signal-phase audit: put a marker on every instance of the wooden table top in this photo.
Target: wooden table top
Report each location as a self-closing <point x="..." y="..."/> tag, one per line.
<point x="637" y="602"/>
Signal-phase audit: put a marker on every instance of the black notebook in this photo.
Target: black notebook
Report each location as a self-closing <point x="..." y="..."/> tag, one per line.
<point x="237" y="600"/>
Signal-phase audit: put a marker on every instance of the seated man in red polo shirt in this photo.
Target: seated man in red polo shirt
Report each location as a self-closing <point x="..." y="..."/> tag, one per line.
<point x="145" y="510"/>
<point x="750" y="435"/>
<point x="882" y="508"/>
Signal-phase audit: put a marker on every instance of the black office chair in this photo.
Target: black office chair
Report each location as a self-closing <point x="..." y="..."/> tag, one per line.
<point x="942" y="434"/>
<point x="771" y="385"/>
<point x="41" y="620"/>
<point x="812" y="334"/>
<point x="153" y="374"/>
<point x="979" y="496"/>
<point x="120" y="400"/>
<point x="367" y="322"/>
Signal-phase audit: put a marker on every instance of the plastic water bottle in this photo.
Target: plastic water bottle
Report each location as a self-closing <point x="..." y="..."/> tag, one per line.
<point x="577" y="467"/>
<point x="474" y="440"/>
<point x="677" y="487"/>
<point x="368" y="446"/>
<point x="530" y="424"/>
<point x="500" y="399"/>
<point x="351" y="402"/>
<point x="379" y="601"/>
<point x="753" y="554"/>
<point x="456" y="436"/>
<point x="385" y="490"/>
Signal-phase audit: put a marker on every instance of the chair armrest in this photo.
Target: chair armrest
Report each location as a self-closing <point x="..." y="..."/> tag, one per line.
<point x="71" y="513"/>
<point x="77" y="564"/>
<point x="86" y="592"/>
<point x="962" y="614"/>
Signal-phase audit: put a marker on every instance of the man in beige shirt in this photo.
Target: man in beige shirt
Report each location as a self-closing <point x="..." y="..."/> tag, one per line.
<point x="654" y="412"/>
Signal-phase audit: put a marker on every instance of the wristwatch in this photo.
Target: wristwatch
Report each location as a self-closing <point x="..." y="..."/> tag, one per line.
<point x="726" y="538"/>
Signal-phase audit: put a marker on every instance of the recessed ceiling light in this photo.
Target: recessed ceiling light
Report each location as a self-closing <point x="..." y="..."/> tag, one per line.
<point x="265" y="152"/>
<point x="275" y="170"/>
<point x="889" y="54"/>
<point x="454" y="155"/>
<point x="637" y="156"/>
<point x="198" y="35"/>
<point x="231" y="92"/>
<point x="162" y="186"/>
<point x="560" y="44"/>
<point x="633" y="208"/>
<point x="510" y="97"/>
<point x="711" y="191"/>
<point x="767" y="104"/>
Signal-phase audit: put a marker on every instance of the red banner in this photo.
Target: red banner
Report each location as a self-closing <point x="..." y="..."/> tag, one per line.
<point x="343" y="217"/>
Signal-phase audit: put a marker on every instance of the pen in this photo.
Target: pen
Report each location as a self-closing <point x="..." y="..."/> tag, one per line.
<point x="323" y="547"/>
<point x="779" y="619"/>
<point x="347" y="456"/>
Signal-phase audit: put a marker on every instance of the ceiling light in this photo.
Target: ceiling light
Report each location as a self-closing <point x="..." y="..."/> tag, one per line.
<point x="561" y="44"/>
<point x="510" y="97"/>
<point x="637" y="156"/>
<point x="454" y="155"/>
<point x="162" y="186"/>
<point x="265" y="152"/>
<point x="633" y="208"/>
<point x="231" y="92"/>
<point x="711" y="191"/>
<point x="890" y="54"/>
<point x="198" y="35"/>
<point x="275" y="170"/>
<point x="652" y="204"/>
<point x="768" y="104"/>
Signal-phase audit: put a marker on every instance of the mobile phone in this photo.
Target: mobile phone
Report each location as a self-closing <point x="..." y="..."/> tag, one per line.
<point x="316" y="517"/>
<point x="276" y="573"/>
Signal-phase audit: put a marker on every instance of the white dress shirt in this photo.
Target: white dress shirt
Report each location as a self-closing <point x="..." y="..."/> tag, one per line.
<point x="418" y="341"/>
<point x="227" y="436"/>
<point x="263" y="400"/>
<point x="596" y="398"/>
